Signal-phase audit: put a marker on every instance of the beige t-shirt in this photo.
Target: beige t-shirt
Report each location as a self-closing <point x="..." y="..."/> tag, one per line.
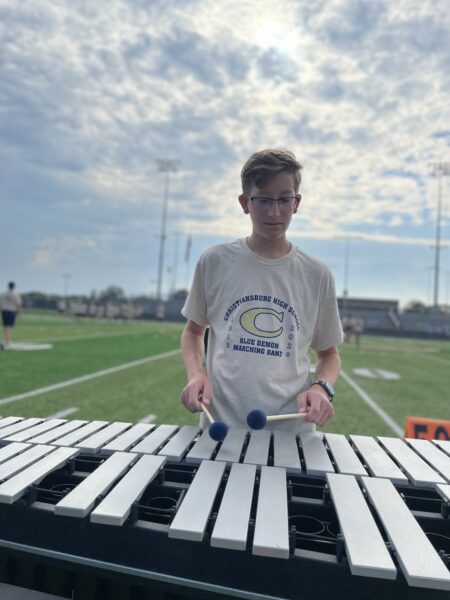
<point x="10" y="300"/>
<point x="264" y="316"/>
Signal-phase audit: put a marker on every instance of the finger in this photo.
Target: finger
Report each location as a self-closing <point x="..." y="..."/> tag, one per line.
<point x="302" y="402"/>
<point x="207" y="392"/>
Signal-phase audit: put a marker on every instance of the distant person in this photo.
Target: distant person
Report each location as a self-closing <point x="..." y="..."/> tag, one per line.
<point x="10" y="304"/>
<point x="357" y="330"/>
<point x="347" y="328"/>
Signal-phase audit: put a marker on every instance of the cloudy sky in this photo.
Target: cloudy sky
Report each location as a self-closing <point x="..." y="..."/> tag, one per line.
<point x="92" y="94"/>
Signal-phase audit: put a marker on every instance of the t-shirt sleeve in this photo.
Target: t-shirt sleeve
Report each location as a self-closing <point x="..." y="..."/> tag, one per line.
<point x="195" y="306"/>
<point x="328" y="329"/>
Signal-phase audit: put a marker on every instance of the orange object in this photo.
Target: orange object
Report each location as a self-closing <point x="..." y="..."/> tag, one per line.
<point x="427" y="429"/>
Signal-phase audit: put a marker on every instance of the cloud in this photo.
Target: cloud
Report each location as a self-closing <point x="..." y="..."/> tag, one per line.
<point x="91" y="98"/>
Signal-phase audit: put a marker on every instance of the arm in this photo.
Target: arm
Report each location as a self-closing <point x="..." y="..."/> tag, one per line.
<point x="315" y="400"/>
<point x="198" y="383"/>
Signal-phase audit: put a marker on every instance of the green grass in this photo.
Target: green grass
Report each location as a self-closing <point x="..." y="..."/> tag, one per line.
<point x="83" y="346"/>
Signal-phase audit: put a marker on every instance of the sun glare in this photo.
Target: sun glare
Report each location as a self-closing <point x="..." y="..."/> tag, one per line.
<point x="277" y="36"/>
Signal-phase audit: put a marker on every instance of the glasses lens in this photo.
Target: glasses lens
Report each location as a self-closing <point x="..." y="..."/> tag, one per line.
<point x="266" y="204"/>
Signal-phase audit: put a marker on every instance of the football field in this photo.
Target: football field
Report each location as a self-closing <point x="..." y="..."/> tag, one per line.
<point x="133" y="371"/>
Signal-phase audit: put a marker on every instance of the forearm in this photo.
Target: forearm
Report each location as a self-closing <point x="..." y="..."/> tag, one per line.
<point x="328" y="367"/>
<point x="192" y="351"/>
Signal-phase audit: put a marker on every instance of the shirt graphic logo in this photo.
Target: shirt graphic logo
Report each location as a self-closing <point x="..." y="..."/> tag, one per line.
<point x="249" y="324"/>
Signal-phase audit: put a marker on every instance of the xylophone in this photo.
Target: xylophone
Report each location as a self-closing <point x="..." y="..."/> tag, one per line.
<point x="263" y="514"/>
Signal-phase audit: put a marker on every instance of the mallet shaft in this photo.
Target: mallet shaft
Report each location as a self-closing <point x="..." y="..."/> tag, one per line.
<point x="289" y="416"/>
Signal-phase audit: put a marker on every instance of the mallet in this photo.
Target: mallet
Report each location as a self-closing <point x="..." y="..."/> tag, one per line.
<point x="257" y="419"/>
<point x="217" y="429"/>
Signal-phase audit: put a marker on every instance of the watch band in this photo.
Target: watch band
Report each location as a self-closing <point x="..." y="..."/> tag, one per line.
<point x="327" y="387"/>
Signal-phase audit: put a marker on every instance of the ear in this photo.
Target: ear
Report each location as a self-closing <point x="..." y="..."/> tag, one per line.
<point x="243" y="201"/>
<point x="297" y="202"/>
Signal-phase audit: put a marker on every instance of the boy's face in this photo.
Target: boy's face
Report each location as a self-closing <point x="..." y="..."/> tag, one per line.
<point x="271" y="219"/>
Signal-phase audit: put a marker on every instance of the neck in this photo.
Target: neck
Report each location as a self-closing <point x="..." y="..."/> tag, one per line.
<point x="268" y="248"/>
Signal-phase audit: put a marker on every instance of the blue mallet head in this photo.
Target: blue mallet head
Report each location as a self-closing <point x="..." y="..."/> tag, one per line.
<point x="256" y="419"/>
<point x="218" y="431"/>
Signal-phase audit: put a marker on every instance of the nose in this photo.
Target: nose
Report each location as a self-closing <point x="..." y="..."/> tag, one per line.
<point x="275" y="208"/>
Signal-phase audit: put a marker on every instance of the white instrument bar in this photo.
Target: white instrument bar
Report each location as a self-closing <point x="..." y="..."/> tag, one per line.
<point x="316" y="457"/>
<point x="95" y="441"/>
<point x="231" y="527"/>
<point x="378" y="462"/>
<point x="203" y="449"/>
<point x="435" y="457"/>
<point x="420" y="563"/>
<point x="126" y="440"/>
<point x="417" y="469"/>
<point x="444" y="491"/>
<point x="192" y="517"/>
<point x="11" y="450"/>
<point x="20" y="426"/>
<point x="116" y="507"/>
<point x="271" y="527"/>
<point x="80" y="501"/>
<point x="23" y="460"/>
<point x="15" y="487"/>
<point x="179" y="444"/>
<point x="285" y="451"/>
<point x="443" y="445"/>
<point x="345" y="457"/>
<point x="366" y="551"/>
<point x="257" y="452"/>
<point x="80" y="434"/>
<point x="231" y="448"/>
<point x="53" y="434"/>
<point x="155" y="440"/>
<point x="23" y="436"/>
<point x="6" y="421"/>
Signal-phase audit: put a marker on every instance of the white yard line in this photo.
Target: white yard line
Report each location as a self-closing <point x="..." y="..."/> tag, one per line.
<point x="69" y="338"/>
<point x="148" y="419"/>
<point x="373" y="405"/>
<point x="69" y="382"/>
<point x="64" y="413"/>
<point x="445" y="361"/>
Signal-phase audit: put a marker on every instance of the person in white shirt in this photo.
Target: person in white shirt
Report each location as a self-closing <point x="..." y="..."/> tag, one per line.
<point x="266" y="303"/>
<point x="10" y="305"/>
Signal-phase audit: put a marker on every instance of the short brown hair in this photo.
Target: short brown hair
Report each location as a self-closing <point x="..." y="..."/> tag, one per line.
<point x="266" y="164"/>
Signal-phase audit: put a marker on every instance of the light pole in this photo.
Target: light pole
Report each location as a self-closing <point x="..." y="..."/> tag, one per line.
<point x="438" y="169"/>
<point x="167" y="167"/>
<point x="176" y="235"/>
<point x="348" y="239"/>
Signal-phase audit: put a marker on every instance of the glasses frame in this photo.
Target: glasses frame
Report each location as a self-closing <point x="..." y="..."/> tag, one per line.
<point x="273" y="200"/>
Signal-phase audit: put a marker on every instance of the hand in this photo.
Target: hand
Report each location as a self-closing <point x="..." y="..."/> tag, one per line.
<point x="198" y="389"/>
<point x="316" y="404"/>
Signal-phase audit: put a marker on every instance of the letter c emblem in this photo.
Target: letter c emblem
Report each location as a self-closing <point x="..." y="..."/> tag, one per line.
<point x="248" y="322"/>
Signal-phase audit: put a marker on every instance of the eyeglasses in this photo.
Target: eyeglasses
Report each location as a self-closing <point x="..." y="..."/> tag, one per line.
<point x="264" y="204"/>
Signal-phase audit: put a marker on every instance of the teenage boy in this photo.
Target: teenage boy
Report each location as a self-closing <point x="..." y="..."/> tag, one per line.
<point x="266" y="304"/>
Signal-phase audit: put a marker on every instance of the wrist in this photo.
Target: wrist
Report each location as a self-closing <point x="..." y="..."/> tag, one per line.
<point x="326" y="387"/>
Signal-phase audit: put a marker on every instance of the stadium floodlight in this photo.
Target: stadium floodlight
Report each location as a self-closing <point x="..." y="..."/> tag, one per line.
<point x="440" y="170"/>
<point x="164" y="166"/>
<point x="348" y="239"/>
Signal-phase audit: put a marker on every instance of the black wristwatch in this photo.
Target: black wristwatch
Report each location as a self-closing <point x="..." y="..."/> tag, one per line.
<point x="326" y="386"/>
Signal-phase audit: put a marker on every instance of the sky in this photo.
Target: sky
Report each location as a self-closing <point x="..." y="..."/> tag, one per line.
<point x="93" y="94"/>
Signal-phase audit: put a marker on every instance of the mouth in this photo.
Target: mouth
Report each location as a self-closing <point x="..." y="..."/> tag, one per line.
<point x="274" y="224"/>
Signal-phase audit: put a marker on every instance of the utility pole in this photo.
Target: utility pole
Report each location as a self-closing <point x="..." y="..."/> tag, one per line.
<point x="167" y="167"/>
<point x="440" y="170"/>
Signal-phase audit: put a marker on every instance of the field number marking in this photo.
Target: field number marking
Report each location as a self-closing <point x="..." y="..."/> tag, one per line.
<point x="377" y="374"/>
